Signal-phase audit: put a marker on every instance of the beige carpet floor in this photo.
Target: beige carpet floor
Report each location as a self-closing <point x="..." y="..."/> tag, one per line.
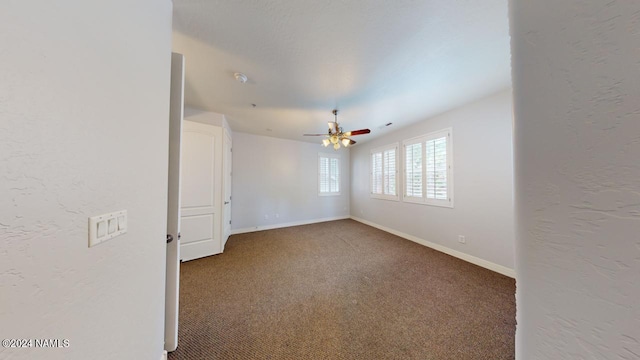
<point x="341" y="290"/>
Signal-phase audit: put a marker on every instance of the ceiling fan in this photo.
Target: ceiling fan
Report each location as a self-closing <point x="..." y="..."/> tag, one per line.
<point x="335" y="135"/>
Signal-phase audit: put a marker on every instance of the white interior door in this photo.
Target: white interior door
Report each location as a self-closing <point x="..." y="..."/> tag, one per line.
<point x="226" y="174"/>
<point x="173" y="204"/>
<point x="200" y="217"/>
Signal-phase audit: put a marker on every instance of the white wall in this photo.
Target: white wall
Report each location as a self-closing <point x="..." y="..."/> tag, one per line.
<point x="483" y="189"/>
<point x="206" y="117"/>
<point x="577" y="141"/>
<point x="84" y="89"/>
<point x="276" y="176"/>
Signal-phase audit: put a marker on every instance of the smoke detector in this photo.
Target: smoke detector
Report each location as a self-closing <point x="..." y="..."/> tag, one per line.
<point x="242" y="78"/>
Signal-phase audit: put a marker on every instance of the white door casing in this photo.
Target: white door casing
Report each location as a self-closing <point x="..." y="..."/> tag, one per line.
<point x="201" y="190"/>
<point x="226" y="179"/>
<point x="173" y="203"/>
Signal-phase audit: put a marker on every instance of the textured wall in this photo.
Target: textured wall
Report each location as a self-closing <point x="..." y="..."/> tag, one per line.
<point x="482" y="182"/>
<point x="576" y="73"/>
<point x="84" y="90"/>
<point x="276" y="176"/>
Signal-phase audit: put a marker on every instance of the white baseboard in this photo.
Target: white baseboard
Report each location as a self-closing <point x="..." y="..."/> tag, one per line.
<point x="289" y="224"/>
<point x="165" y="355"/>
<point x="455" y="253"/>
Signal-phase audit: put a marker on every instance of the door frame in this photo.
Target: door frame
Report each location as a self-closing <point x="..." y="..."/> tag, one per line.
<point x="172" y="277"/>
<point x="227" y="171"/>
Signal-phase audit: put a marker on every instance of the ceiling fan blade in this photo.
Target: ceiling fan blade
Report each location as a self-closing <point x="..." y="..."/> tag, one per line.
<point x="351" y="142"/>
<point x="314" y="134"/>
<point x="358" y="132"/>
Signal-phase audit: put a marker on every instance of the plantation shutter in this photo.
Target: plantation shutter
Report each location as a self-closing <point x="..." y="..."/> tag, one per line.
<point x="334" y="175"/>
<point x="413" y="170"/>
<point x="389" y="168"/>
<point x="376" y="173"/>
<point x="323" y="172"/>
<point x="436" y="156"/>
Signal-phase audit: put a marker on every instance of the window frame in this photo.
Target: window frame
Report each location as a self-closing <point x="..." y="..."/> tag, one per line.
<point x="382" y="150"/>
<point x="422" y="139"/>
<point x="329" y="156"/>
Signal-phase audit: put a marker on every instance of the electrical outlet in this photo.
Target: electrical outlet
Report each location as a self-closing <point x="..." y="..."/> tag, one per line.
<point x="462" y="239"/>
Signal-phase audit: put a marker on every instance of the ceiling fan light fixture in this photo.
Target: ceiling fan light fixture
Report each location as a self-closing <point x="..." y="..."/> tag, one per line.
<point x="337" y="136"/>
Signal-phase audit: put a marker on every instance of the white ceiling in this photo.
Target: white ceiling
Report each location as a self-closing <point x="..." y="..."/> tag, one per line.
<point x="378" y="61"/>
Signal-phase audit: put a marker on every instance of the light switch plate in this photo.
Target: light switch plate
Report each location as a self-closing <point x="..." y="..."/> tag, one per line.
<point x="107" y="226"/>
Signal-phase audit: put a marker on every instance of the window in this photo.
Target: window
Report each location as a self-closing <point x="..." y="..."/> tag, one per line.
<point x="328" y="174"/>
<point x="428" y="169"/>
<point x="384" y="172"/>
